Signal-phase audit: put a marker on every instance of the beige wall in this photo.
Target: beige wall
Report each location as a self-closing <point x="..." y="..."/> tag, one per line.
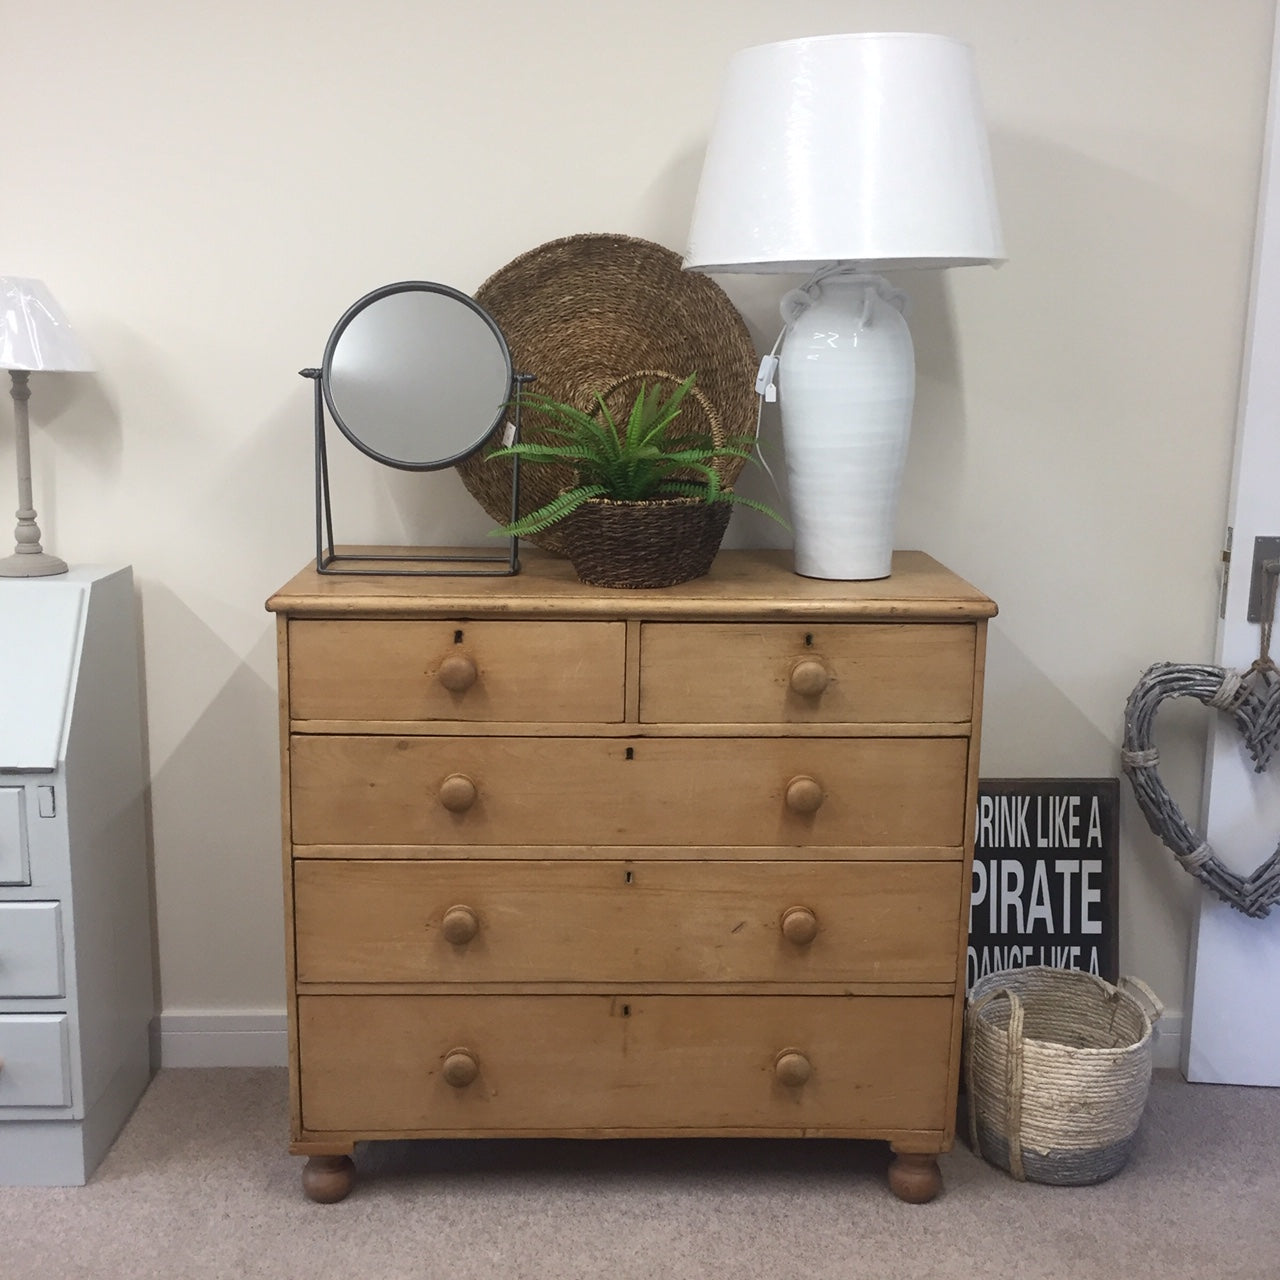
<point x="206" y="188"/>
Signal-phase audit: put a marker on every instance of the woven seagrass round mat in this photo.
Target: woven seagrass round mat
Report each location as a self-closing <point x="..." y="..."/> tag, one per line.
<point x="584" y="315"/>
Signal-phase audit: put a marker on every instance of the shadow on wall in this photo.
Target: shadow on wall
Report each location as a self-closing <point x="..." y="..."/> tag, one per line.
<point x="147" y="816"/>
<point x="216" y="819"/>
<point x="75" y="409"/>
<point x="666" y="204"/>
<point x="265" y="491"/>
<point x="1066" y="351"/>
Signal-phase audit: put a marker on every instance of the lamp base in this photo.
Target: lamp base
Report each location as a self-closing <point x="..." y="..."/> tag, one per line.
<point x="846" y="383"/>
<point x="38" y="564"/>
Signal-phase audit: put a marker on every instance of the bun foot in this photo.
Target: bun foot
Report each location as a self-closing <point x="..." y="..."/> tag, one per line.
<point x="914" y="1177"/>
<point x="327" y="1179"/>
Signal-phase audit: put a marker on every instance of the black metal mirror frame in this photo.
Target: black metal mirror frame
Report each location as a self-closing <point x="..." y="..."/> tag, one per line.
<point x="427" y="563"/>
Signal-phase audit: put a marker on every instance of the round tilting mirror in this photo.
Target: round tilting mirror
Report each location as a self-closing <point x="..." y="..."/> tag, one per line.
<point x="417" y="375"/>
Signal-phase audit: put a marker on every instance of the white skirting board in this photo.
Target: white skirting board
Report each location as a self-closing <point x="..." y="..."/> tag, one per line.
<point x="223" y="1038"/>
<point x="261" y="1039"/>
<point x="1167" y="1050"/>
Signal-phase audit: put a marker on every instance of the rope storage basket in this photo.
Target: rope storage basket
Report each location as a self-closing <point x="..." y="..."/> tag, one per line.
<point x="1057" y="1068"/>
<point x="586" y="314"/>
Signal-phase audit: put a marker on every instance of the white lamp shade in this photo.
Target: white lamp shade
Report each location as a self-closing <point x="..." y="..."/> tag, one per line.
<point x="867" y="148"/>
<point x="34" y="332"/>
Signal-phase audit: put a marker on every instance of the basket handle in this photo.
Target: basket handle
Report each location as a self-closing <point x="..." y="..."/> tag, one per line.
<point x="1013" y="1073"/>
<point x="1156" y="1006"/>
<point x="661" y="375"/>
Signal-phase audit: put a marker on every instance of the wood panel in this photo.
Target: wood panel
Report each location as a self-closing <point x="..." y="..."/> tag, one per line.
<point x="645" y="852"/>
<point x="742" y="673"/>
<point x="376" y="1063"/>
<point x="625" y="922"/>
<point x="343" y="669"/>
<point x="752" y="585"/>
<point x="381" y="790"/>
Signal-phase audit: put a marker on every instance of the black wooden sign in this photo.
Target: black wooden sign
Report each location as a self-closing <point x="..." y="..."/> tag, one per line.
<point x="1045" y="876"/>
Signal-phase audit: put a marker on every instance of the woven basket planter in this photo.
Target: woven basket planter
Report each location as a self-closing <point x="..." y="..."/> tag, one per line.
<point x="1057" y="1067"/>
<point x="657" y="543"/>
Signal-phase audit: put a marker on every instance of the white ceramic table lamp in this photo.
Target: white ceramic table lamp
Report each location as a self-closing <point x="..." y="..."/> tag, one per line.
<point x="34" y="337"/>
<point x="840" y="156"/>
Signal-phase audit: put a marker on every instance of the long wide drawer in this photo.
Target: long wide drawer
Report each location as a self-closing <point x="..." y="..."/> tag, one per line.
<point x="626" y="922"/>
<point x="354" y="669"/>
<point x="663" y="791"/>
<point x="741" y="673"/>
<point x="861" y="1066"/>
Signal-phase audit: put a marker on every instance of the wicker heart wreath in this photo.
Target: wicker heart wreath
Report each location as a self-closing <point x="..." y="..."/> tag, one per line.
<point x="1252" y="699"/>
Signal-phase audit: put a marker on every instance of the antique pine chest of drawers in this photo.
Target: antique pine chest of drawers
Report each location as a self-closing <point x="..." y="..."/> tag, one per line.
<point x="567" y="861"/>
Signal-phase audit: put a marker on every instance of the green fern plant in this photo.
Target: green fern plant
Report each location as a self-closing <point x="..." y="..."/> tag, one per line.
<point x="642" y="459"/>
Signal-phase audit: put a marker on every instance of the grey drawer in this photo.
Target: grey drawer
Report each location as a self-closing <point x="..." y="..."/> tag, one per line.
<point x="35" y="1060"/>
<point x="15" y="866"/>
<point x="31" y="949"/>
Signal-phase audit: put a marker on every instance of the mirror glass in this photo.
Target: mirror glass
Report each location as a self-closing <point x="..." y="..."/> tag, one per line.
<point x="417" y="375"/>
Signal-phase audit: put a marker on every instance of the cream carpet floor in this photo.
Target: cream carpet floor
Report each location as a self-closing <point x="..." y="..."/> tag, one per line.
<point x="200" y="1184"/>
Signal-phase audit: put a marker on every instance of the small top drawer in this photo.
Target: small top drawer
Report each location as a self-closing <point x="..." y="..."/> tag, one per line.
<point x="768" y="673"/>
<point x="430" y="670"/>
<point x="15" y="867"/>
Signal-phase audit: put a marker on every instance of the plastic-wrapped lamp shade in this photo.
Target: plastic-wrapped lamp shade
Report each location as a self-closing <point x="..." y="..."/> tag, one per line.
<point x="864" y="148"/>
<point x="34" y="333"/>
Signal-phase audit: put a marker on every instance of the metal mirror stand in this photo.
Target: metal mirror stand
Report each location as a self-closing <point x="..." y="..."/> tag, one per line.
<point x="330" y="560"/>
<point x="417" y="376"/>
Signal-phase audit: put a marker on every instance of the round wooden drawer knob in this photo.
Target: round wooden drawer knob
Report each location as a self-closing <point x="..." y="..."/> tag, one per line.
<point x="457" y="673"/>
<point x="460" y="1067"/>
<point x="792" y="1068"/>
<point x="804" y="794"/>
<point x="799" y="925"/>
<point x="457" y="793"/>
<point x="809" y="678"/>
<point x="460" y="925"/>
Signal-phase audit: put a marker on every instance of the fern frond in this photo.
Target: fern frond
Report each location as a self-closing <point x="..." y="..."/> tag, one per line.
<point x="738" y="500"/>
<point x="693" y="489"/>
<point x="529" y="452"/>
<point x="568" y="420"/>
<point x="563" y="504"/>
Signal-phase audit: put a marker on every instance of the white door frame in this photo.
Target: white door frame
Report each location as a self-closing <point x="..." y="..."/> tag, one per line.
<point x="1233" y="989"/>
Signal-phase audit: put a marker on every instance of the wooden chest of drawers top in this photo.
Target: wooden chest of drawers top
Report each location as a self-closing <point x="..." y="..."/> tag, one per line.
<point x="742" y="584"/>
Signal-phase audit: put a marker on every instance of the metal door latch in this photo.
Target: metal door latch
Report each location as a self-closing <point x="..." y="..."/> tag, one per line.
<point x="1266" y="563"/>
